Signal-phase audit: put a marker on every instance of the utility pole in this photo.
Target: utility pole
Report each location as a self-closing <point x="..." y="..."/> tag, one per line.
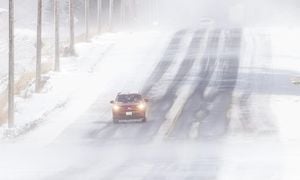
<point x="56" y="27"/>
<point x="71" y="16"/>
<point x="87" y="14"/>
<point x="134" y="10"/>
<point x="121" y="21"/>
<point x="111" y="6"/>
<point x="39" y="47"/>
<point x="130" y="12"/>
<point x="99" y="16"/>
<point x="11" y="66"/>
<point x="126" y="13"/>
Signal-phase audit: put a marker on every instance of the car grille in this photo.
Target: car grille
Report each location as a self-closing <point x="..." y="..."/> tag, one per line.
<point x="129" y="108"/>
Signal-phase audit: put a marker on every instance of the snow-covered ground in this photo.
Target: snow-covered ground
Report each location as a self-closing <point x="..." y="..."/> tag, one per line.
<point x="271" y="62"/>
<point x="51" y="139"/>
<point x="285" y="105"/>
<point x="103" y="67"/>
<point x="25" y="40"/>
<point x="82" y="80"/>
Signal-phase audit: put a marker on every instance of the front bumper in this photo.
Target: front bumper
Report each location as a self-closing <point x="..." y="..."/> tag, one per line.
<point x="128" y="115"/>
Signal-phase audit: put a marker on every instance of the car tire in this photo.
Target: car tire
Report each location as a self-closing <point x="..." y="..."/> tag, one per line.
<point x="115" y="120"/>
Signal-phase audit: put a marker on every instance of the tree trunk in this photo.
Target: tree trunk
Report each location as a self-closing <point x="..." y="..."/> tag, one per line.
<point x="121" y="13"/>
<point x="56" y="24"/>
<point x="71" y="16"/>
<point x="11" y="66"/>
<point x="87" y="14"/>
<point x="99" y="16"/>
<point x="39" y="47"/>
<point x="111" y="4"/>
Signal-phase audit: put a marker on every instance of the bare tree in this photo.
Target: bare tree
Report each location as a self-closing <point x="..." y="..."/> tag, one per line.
<point x="122" y="13"/>
<point x="111" y="4"/>
<point x="87" y="14"/>
<point x="11" y="66"/>
<point x="39" y="47"/>
<point x="99" y="16"/>
<point x="71" y="16"/>
<point x="56" y="27"/>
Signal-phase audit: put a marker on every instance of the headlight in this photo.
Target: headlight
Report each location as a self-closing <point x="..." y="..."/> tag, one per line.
<point x="142" y="106"/>
<point x="116" y="107"/>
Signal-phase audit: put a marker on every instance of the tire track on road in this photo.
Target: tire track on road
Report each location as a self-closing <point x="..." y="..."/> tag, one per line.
<point x="207" y="67"/>
<point x="162" y="67"/>
<point x="160" y="107"/>
<point x="166" y="61"/>
<point x="209" y="104"/>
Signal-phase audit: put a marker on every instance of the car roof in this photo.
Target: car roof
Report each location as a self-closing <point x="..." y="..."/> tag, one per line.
<point x="129" y="94"/>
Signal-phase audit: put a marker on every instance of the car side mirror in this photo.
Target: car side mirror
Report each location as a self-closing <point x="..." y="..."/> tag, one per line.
<point x="112" y="102"/>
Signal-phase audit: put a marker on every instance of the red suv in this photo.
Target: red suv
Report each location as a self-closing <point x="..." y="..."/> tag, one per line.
<point x="129" y="106"/>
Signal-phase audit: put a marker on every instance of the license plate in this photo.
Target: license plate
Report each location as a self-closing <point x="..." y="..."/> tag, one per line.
<point x="128" y="113"/>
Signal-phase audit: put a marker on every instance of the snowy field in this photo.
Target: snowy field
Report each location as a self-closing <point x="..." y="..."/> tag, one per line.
<point x="247" y="80"/>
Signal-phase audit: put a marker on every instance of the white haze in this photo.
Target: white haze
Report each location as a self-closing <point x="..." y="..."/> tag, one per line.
<point x="188" y="13"/>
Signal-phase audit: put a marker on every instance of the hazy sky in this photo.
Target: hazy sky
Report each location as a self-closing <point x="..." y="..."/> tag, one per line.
<point x="233" y="12"/>
<point x="190" y="12"/>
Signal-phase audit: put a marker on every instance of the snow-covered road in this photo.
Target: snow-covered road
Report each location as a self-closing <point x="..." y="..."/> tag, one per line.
<point x="215" y="96"/>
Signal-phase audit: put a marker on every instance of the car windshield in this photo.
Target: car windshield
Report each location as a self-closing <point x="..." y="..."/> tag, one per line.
<point x="129" y="98"/>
